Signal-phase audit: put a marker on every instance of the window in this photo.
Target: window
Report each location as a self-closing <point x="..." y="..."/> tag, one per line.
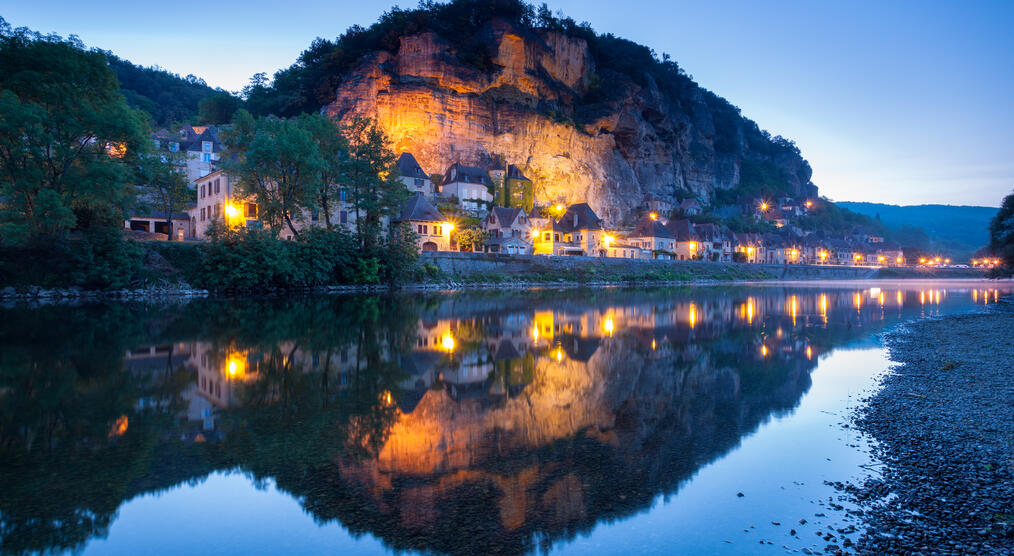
<point x="206" y="157"/>
<point x="250" y="210"/>
<point x="174" y="147"/>
<point x="423" y="229"/>
<point x="315" y="215"/>
<point x="157" y="143"/>
<point x="218" y="207"/>
<point x="437" y="230"/>
<point x="206" y="146"/>
<point x="547" y="236"/>
<point x="556" y="237"/>
<point x="343" y="217"/>
<point x="418" y="182"/>
<point x="202" y="190"/>
<point x="202" y="214"/>
<point x="216" y="186"/>
<point x="343" y="195"/>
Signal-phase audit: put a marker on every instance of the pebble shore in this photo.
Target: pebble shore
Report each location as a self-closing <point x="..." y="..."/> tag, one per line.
<point x="943" y="424"/>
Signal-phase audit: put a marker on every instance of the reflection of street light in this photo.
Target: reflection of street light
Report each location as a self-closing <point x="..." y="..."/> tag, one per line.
<point x="447" y="341"/>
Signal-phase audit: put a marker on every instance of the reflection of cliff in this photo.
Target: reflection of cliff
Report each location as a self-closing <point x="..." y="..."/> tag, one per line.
<point x="582" y="442"/>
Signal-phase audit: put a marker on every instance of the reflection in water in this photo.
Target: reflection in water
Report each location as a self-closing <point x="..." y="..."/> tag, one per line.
<point x="460" y="423"/>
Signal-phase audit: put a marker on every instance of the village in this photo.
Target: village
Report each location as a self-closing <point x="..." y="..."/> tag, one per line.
<point x="468" y="198"/>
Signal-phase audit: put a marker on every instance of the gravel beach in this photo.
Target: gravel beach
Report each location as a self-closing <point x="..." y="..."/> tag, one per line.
<point x="943" y="423"/>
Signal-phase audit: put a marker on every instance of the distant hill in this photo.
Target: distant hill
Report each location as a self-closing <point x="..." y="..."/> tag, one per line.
<point x="166" y="96"/>
<point x="958" y="229"/>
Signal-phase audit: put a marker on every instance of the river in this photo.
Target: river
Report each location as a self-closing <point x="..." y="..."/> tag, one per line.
<point x="700" y="420"/>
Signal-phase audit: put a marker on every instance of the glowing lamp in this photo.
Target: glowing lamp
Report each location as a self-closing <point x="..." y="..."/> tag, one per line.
<point x="449" y="226"/>
<point x="447" y="341"/>
<point x="607" y="239"/>
<point x="231" y="210"/>
<point x="653" y="216"/>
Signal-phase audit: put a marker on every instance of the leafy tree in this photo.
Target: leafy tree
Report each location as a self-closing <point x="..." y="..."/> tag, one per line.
<point x="277" y="163"/>
<point x="333" y="149"/>
<point x="469" y="238"/>
<point x="218" y="108"/>
<point x="375" y="190"/>
<point x="1001" y="231"/>
<point x="163" y="179"/>
<point x="67" y="137"/>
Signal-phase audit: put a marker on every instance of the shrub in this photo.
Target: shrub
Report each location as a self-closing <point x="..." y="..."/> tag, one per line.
<point x="98" y="259"/>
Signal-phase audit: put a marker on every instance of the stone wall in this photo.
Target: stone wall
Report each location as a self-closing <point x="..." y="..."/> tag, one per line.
<point x="522" y="266"/>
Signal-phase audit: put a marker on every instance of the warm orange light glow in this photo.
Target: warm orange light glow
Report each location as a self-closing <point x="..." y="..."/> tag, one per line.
<point x="793" y="308"/>
<point x="386" y="399"/>
<point x="809" y="204"/>
<point x="119" y="427"/>
<point x="922" y="260"/>
<point x="653" y="344"/>
<point x="447" y="341"/>
<point x="653" y="216"/>
<point x="558" y="354"/>
<point x="898" y="260"/>
<point x="607" y="239"/>
<point x="448" y="227"/>
<point x="535" y="332"/>
<point x="693" y="246"/>
<point x="823" y="305"/>
<point x="607" y="325"/>
<point x="764" y="350"/>
<point x="749" y="310"/>
<point x="881" y="258"/>
<point x="235" y="366"/>
<point x="231" y="211"/>
<point x="822" y="255"/>
<point x="749" y="250"/>
<point x="900" y="298"/>
<point x="763" y="206"/>
<point x="693" y="315"/>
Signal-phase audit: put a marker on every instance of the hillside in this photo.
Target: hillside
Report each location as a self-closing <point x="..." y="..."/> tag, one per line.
<point x="166" y="97"/>
<point x="587" y="117"/>
<point x="959" y="229"/>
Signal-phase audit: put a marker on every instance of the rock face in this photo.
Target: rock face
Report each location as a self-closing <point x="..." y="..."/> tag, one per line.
<point x="529" y="111"/>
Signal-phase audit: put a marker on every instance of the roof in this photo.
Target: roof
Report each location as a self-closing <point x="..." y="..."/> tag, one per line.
<point x="506" y="241"/>
<point x="505" y="216"/>
<point x="420" y="210"/>
<point x="408" y="167"/>
<point x="578" y="217"/>
<point x="156" y="215"/>
<point x="682" y="230"/>
<point x="514" y="173"/>
<point x="650" y="227"/>
<point x="468" y="174"/>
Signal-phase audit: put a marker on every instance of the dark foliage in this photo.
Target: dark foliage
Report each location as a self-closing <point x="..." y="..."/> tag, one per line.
<point x="165" y="96"/>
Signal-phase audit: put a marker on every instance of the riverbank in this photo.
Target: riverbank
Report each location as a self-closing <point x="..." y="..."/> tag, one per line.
<point x="943" y="422"/>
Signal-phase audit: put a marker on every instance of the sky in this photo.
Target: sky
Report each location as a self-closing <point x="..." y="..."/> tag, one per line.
<point x="894" y="101"/>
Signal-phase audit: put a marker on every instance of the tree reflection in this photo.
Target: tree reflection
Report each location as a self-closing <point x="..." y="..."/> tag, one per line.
<point x="449" y="423"/>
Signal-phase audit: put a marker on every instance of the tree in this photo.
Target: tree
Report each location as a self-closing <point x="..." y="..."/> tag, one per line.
<point x="333" y="149"/>
<point x="375" y="189"/>
<point x="163" y="179"/>
<point x="1001" y="231"/>
<point x="471" y="238"/>
<point x="277" y="162"/>
<point x="218" y="108"/>
<point x="68" y="140"/>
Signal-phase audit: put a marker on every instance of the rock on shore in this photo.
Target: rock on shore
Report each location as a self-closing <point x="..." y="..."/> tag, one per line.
<point x="944" y="423"/>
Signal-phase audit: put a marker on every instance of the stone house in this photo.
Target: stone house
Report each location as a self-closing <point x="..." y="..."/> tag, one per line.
<point x="653" y="204"/>
<point x="432" y="231"/>
<point x="578" y="232"/>
<point x="691" y="207"/>
<point x="688" y="243"/>
<point x="651" y="236"/>
<point x="716" y="242"/>
<point x="510" y="231"/>
<point x="470" y="186"/>
<point x="201" y="144"/>
<point x="151" y="221"/>
<point x="413" y="175"/>
<point x="217" y="201"/>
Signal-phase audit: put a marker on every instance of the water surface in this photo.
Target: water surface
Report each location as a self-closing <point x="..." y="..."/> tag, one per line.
<point x="600" y="420"/>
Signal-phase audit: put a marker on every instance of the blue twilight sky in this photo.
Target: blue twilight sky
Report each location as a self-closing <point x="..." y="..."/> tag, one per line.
<point x="891" y="101"/>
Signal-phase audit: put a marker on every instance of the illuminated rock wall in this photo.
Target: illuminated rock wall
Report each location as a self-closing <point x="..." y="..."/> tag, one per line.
<point x="524" y="113"/>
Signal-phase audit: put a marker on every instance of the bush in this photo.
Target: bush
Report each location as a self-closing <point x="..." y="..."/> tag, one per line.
<point x="97" y="259"/>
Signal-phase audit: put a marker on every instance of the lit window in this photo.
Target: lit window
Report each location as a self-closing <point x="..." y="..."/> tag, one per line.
<point x="206" y="157"/>
<point x="206" y="146"/>
<point x="251" y="210"/>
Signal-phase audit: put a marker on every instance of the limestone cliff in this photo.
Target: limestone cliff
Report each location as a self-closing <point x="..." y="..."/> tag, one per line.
<point x="533" y="109"/>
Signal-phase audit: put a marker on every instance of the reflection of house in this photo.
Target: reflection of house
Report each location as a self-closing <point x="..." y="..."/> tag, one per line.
<point x="433" y="234"/>
<point x="469" y="185"/>
<point x="413" y="176"/>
